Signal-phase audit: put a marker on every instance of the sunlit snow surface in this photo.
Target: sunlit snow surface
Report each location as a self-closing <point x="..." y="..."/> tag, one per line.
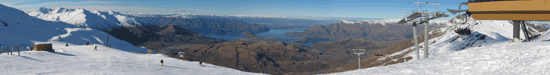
<point x="84" y="60"/>
<point x="503" y="59"/>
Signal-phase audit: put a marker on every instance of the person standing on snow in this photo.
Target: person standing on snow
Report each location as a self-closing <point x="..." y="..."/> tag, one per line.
<point x="95" y="48"/>
<point x="200" y="62"/>
<point x="161" y="62"/>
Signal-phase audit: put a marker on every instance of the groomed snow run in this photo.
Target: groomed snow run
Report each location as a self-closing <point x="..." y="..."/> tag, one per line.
<point x="532" y="58"/>
<point x="84" y="60"/>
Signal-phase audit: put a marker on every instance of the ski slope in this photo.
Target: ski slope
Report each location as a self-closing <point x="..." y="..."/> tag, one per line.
<point x="531" y="58"/>
<point x="81" y="36"/>
<point x="486" y="51"/>
<point x="84" y="60"/>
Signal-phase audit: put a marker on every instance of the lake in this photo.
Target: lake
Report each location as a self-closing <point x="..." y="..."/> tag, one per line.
<point x="272" y="33"/>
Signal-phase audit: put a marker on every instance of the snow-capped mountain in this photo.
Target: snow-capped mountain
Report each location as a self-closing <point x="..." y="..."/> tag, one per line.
<point x="486" y="50"/>
<point x="85" y="18"/>
<point x="100" y="20"/>
<point x="18" y="28"/>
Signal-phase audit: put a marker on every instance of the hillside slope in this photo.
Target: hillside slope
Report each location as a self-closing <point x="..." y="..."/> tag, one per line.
<point x="443" y="40"/>
<point x="373" y="30"/>
<point x="16" y="27"/>
<point x="499" y="59"/>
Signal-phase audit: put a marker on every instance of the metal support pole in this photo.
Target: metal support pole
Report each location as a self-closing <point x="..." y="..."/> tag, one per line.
<point x="516" y="31"/>
<point x="10" y="47"/>
<point x="525" y="31"/>
<point x="426" y="27"/>
<point x="359" y="59"/>
<point x="18" y="53"/>
<point x="416" y="41"/>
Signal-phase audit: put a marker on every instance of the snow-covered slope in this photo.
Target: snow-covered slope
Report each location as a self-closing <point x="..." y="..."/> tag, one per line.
<point x="18" y="28"/>
<point x="84" y="60"/>
<point x="81" y="17"/>
<point x="81" y="36"/>
<point x="482" y="52"/>
<point x="531" y="58"/>
<point x="484" y="33"/>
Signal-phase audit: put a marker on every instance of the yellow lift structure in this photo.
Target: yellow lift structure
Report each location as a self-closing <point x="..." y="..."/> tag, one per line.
<point x="516" y="10"/>
<point x="510" y="9"/>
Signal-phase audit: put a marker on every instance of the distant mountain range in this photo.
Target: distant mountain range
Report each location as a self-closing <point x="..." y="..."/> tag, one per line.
<point x="203" y="24"/>
<point x="105" y="20"/>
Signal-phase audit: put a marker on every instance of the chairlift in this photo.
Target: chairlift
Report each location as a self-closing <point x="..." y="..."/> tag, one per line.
<point x="181" y="54"/>
<point x="459" y="10"/>
<point x="463" y="31"/>
<point x="378" y="54"/>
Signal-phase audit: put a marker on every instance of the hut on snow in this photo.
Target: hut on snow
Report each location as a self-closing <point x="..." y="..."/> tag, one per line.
<point x="42" y="46"/>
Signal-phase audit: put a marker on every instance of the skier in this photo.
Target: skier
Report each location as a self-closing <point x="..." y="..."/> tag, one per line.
<point x="200" y="62"/>
<point x="67" y="45"/>
<point x="161" y="62"/>
<point x="95" y="48"/>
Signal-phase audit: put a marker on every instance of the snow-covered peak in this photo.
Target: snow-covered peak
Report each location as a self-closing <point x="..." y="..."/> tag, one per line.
<point x="84" y="18"/>
<point x="18" y="28"/>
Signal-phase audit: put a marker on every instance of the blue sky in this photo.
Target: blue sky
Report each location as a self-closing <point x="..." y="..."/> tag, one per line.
<point x="356" y="9"/>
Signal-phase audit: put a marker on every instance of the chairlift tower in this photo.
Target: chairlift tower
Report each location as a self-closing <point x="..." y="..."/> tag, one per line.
<point x="359" y="52"/>
<point x="427" y="17"/>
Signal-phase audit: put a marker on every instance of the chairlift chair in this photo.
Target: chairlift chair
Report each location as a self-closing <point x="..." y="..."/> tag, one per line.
<point x="463" y="31"/>
<point x="378" y="54"/>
